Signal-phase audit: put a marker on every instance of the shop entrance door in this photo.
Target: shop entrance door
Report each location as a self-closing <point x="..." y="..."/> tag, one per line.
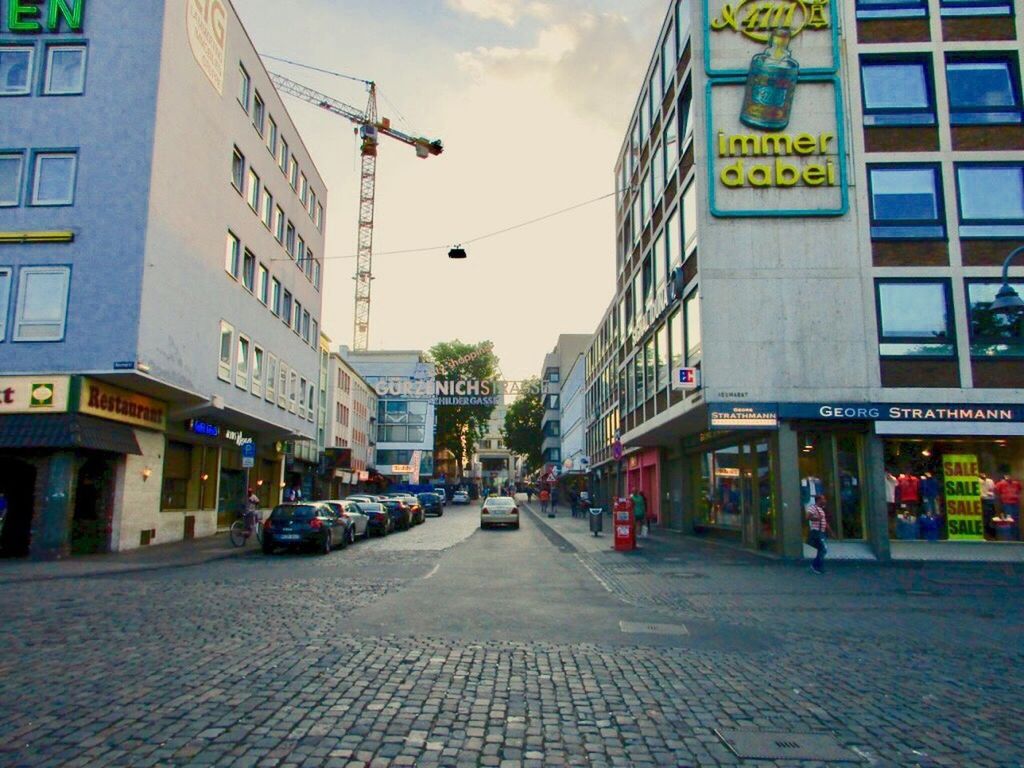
<point x="17" y="484"/>
<point x="831" y="464"/>
<point x="231" y="497"/>
<point x="93" y="513"/>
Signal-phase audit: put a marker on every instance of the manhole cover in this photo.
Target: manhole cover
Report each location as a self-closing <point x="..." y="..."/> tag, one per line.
<point x="644" y="628"/>
<point x="682" y="575"/>
<point x="782" y="745"/>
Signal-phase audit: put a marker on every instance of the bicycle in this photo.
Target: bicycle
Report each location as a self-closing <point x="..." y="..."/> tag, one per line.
<point x="244" y="527"/>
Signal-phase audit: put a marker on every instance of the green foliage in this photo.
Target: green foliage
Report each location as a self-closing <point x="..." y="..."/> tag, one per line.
<point x="460" y="426"/>
<point x="522" y="425"/>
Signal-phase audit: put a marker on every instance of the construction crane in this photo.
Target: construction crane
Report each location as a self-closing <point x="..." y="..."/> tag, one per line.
<point x="368" y="127"/>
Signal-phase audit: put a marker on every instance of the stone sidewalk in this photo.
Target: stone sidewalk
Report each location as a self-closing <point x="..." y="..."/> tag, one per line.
<point x="178" y="554"/>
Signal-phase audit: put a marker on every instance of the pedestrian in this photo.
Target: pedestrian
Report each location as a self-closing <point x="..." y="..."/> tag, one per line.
<point x="529" y="494"/>
<point x="554" y="498"/>
<point x="574" y="499"/>
<point x="252" y="506"/>
<point x="639" y="513"/>
<point x="544" y="497"/>
<point x="817" y="522"/>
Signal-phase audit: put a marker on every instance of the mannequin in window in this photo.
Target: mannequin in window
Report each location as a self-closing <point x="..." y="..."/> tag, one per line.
<point x="910" y="490"/>
<point x="810" y="488"/>
<point x="1008" y="492"/>
<point x="929" y="489"/>
<point x="988" y="501"/>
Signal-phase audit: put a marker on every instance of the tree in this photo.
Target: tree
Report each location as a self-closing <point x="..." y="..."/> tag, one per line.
<point x="460" y="426"/>
<point x="522" y="425"/>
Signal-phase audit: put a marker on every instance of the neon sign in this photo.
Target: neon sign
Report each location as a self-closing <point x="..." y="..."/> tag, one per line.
<point x="32" y="16"/>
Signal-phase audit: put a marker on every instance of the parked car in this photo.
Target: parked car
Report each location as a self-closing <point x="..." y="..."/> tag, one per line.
<point x="431" y="503"/>
<point x="416" y="510"/>
<point x="460" y="497"/>
<point x="378" y="520"/>
<point x="401" y="514"/>
<point x="351" y="511"/>
<point x="443" y="494"/>
<point x="499" y="510"/>
<point x="305" y="525"/>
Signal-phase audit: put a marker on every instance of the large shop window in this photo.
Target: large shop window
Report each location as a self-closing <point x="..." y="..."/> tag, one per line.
<point x="177" y="471"/>
<point x="897" y="91"/>
<point x="954" y="490"/>
<point x="906" y="202"/>
<point x="830" y="464"/>
<point x="990" y="199"/>
<point x="983" y="91"/>
<point x="891" y="9"/>
<point x="915" y="318"/>
<point x="737" y="490"/>
<point x="992" y="334"/>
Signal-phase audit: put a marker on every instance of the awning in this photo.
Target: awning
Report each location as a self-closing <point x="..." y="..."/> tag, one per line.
<point x="66" y="430"/>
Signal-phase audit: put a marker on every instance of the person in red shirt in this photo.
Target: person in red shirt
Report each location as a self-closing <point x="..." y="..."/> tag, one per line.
<point x="1008" y="492"/>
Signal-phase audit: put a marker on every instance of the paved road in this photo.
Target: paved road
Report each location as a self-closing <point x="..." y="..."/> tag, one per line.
<point x="447" y="645"/>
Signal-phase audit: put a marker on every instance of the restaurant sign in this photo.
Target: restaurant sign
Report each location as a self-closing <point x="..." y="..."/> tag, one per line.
<point x="109" y="402"/>
<point x="34" y="394"/>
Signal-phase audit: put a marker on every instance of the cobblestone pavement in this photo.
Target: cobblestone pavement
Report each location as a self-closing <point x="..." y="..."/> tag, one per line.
<point x="465" y="648"/>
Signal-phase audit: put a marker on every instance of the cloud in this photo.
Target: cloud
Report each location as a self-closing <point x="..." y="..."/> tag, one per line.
<point x="508" y="12"/>
<point x="594" y="61"/>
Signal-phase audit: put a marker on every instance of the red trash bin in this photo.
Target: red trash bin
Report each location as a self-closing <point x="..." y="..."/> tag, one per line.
<point x="624" y="524"/>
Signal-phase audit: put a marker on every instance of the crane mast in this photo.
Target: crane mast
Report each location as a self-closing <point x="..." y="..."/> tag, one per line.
<point x="369" y="128"/>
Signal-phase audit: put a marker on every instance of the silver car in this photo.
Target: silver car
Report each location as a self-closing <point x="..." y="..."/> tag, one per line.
<point x="350" y="510"/>
<point x="499" y="510"/>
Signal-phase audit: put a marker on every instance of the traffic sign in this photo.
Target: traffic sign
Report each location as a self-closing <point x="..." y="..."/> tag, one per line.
<point x="248" y="455"/>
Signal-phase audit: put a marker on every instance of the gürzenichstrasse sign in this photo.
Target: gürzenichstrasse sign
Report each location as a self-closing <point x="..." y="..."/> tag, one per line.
<point x="451" y="391"/>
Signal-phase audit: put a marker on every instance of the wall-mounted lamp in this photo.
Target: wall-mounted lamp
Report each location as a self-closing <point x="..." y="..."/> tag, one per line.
<point x="146" y="473"/>
<point x="204" y="477"/>
<point x="259" y="483"/>
<point x="926" y="451"/>
<point x="282" y="484"/>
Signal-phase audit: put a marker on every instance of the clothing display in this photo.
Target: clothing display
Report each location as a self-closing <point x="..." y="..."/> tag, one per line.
<point x="890" y="489"/>
<point x="1008" y="490"/>
<point x="910" y="489"/>
<point x="988" y="488"/>
<point x="810" y="488"/>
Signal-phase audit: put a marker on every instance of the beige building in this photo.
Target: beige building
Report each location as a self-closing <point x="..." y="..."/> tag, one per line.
<point x="351" y="423"/>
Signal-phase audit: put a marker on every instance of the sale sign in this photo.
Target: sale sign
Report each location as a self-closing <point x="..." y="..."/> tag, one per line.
<point x="962" y="489"/>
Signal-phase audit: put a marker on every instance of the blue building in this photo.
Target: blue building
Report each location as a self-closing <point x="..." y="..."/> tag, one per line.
<point x="161" y="235"/>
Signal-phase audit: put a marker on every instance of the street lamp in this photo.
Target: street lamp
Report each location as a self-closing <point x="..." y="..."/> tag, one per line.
<point x="1008" y="301"/>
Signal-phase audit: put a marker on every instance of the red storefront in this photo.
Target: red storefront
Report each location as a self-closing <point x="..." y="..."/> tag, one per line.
<point x="643" y="473"/>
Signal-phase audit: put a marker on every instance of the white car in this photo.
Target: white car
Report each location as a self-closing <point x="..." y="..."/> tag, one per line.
<point x="499" y="510"/>
<point x="460" y="497"/>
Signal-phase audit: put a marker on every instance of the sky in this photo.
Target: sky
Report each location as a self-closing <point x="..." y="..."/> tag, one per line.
<point x="531" y="99"/>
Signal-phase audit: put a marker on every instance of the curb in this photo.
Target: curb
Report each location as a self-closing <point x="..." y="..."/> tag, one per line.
<point x="122" y="571"/>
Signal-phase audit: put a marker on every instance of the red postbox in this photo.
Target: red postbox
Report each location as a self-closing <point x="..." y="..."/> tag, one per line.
<point x="625" y="528"/>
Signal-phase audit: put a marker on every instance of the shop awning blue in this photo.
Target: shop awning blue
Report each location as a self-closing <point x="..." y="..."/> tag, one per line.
<point x="66" y="430"/>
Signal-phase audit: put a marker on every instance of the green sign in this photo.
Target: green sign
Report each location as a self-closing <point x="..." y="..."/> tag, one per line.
<point x="962" y="487"/>
<point x="35" y="16"/>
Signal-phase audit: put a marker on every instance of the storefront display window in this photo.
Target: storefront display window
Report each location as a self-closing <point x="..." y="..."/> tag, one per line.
<point x="830" y="464"/>
<point x="737" y="491"/>
<point x="954" y="490"/>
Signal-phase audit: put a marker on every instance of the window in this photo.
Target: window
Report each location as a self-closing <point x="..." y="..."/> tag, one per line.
<point x="983" y="91"/>
<point x="293" y="380"/>
<point x="275" y="296"/>
<point x="42" y="303"/>
<point x="259" y="113"/>
<point x="682" y="24"/>
<point x="316" y="274"/>
<point x="286" y="308"/>
<point x="301" y="250"/>
<point x="297" y="321"/>
<point x="10" y="178"/>
<point x="244" y="84"/>
<point x="257" y="371"/>
<point x="636" y="221"/>
<point x="657" y="175"/>
<point x="311" y="399"/>
<point x="312" y="206"/>
<point x="552" y="376"/>
<point x="289" y="239"/>
<point x="293" y="173"/>
<point x="914" y="318"/>
<point x="642" y="115"/>
<point x="254" y="191"/>
<point x="671" y="144"/>
<point x="238" y="169"/>
<point x="264" y="284"/>
<point x="990" y="199"/>
<point x="282" y="385"/>
<point x="279" y="224"/>
<point x="232" y="251"/>
<point x="284" y="157"/>
<point x="248" y="270"/>
<point x="5" y="297"/>
<point x="302" y="398"/>
<point x="634" y="147"/>
<point x="309" y="264"/>
<point x="975" y="7"/>
<point x="176" y="474"/>
<point x="638" y="379"/>
<point x="65" y="70"/>
<point x="689" y="215"/>
<point x="675" y="328"/>
<point x="880" y="9"/>
<point x="303" y="190"/>
<point x="16" y="70"/>
<point x="691" y="308"/>
<point x="227" y="344"/>
<point x="271" y="388"/>
<point x="668" y="60"/>
<point x="653" y="99"/>
<point x="305" y="325"/>
<point x="906" y="202"/>
<point x="686" y="113"/>
<point x="645" y="204"/>
<point x="268" y="208"/>
<point x="272" y="136"/>
<point x="897" y="91"/>
<point x="992" y="335"/>
<point x="242" y="363"/>
<point x="673" y="240"/>
<point x="54" y="178"/>
<point x="319" y="217"/>
<point x="314" y="332"/>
